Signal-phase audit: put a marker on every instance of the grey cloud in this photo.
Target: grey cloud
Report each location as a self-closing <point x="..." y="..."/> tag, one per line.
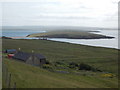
<point x="60" y="17"/>
<point x="115" y="2"/>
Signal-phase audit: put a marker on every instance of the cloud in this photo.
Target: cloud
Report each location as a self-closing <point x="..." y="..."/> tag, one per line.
<point x="60" y="16"/>
<point x="72" y="12"/>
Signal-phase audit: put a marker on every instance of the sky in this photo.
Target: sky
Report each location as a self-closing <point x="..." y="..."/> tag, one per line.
<point x="87" y="13"/>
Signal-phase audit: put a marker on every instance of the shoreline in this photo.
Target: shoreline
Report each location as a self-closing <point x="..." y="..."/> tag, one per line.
<point x="65" y="40"/>
<point x="86" y="45"/>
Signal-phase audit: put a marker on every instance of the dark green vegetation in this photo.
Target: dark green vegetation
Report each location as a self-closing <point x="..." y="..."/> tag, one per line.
<point x="69" y="35"/>
<point x="70" y="65"/>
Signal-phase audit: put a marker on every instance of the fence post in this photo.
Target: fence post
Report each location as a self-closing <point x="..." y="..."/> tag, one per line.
<point x="14" y="86"/>
<point x="6" y="76"/>
<point x="9" y="80"/>
<point x="2" y="68"/>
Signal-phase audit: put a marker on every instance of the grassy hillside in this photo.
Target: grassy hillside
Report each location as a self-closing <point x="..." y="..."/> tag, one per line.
<point x="33" y="77"/>
<point x="102" y="58"/>
<point x="69" y="34"/>
<point x="57" y="52"/>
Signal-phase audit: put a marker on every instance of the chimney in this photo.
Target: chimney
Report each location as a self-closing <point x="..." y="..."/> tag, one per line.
<point x="33" y="56"/>
<point x="19" y="49"/>
<point x="32" y="51"/>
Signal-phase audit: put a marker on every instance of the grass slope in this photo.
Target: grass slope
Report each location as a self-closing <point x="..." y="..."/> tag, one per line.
<point x="33" y="77"/>
<point x="0" y="74"/>
<point x="102" y="58"/>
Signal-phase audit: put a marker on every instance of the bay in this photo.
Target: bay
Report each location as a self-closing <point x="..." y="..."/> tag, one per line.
<point x="109" y="43"/>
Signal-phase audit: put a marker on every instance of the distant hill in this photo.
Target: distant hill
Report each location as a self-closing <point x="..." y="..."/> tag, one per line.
<point x="69" y="35"/>
<point x="4" y="37"/>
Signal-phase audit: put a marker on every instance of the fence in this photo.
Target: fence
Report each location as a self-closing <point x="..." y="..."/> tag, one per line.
<point x="7" y="78"/>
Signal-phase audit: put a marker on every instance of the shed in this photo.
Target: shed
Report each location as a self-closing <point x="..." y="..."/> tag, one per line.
<point x="10" y="51"/>
<point x="30" y="58"/>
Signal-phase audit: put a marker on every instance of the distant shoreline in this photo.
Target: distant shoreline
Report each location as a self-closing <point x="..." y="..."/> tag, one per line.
<point x="60" y="41"/>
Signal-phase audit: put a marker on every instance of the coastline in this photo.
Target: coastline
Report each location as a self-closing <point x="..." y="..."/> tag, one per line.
<point x="107" y="42"/>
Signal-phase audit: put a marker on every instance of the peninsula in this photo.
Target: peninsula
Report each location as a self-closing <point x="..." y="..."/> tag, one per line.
<point x="70" y="35"/>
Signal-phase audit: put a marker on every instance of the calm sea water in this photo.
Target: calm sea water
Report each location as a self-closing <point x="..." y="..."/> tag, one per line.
<point x="110" y="43"/>
<point x="19" y="33"/>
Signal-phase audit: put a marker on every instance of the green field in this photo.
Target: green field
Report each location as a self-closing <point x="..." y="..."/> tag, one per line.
<point x="30" y="76"/>
<point x="69" y="35"/>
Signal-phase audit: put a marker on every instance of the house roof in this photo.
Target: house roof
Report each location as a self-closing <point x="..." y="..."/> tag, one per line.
<point x="24" y="56"/>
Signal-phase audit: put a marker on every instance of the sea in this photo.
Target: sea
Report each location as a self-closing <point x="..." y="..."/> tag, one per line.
<point x="109" y="43"/>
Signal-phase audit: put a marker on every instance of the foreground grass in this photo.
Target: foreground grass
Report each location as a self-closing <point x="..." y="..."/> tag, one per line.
<point x="0" y="74"/>
<point x="27" y="76"/>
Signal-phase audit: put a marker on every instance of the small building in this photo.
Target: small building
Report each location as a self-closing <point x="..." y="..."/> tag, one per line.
<point x="10" y="51"/>
<point x="30" y="58"/>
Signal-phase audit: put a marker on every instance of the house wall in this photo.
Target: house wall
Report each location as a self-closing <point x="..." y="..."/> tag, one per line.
<point x="35" y="61"/>
<point x="29" y="61"/>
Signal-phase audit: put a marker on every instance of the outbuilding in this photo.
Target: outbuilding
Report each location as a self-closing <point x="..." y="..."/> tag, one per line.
<point x="10" y="51"/>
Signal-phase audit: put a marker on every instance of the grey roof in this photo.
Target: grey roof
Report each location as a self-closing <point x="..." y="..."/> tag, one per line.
<point x="24" y="56"/>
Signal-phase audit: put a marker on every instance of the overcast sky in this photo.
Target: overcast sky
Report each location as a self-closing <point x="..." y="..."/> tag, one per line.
<point x="93" y="13"/>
